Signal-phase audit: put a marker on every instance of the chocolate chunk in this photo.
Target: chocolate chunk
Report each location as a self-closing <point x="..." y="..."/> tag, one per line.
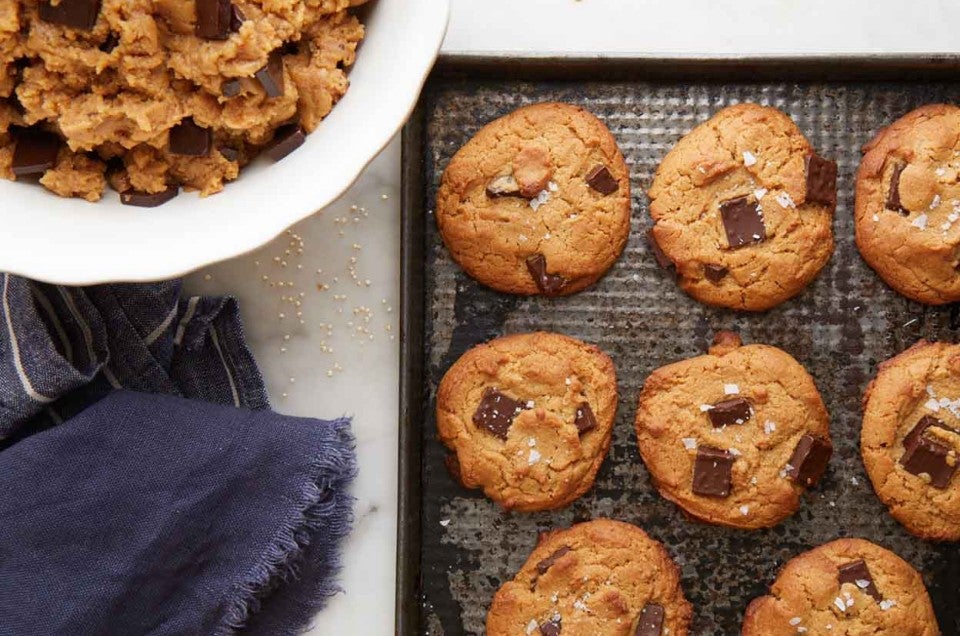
<point x="715" y="273"/>
<point x="712" y="472"/>
<point x="187" y="138"/>
<point x="650" y="622"/>
<point x="893" y="194"/>
<point x="927" y="456"/>
<point x="585" y="420"/>
<point x="662" y="259"/>
<point x="76" y="14"/>
<point x="821" y="180"/>
<point x="496" y="412"/>
<point x="231" y="87"/>
<point x="213" y="19"/>
<point x="735" y="411"/>
<point x="286" y="139"/>
<point x="110" y="43"/>
<point x="809" y="460"/>
<point x="35" y="153"/>
<point x="927" y="421"/>
<point x="743" y="222"/>
<point x="148" y="199"/>
<point x="602" y="180"/>
<point x="548" y="284"/>
<point x="503" y="186"/>
<point x="237" y="18"/>
<point x="545" y="565"/>
<point x="857" y="573"/>
<point x="229" y="153"/>
<point x="271" y="75"/>
<point x="550" y="628"/>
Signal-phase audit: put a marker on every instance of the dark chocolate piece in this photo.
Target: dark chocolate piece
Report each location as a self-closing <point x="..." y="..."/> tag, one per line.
<point x="715" y="273"/>
<point x="893" y="194"/>
<point x="858" y="571"/>
<point x="930" y="457"/>
<point x="546" y="564"/>
<point x="187" y="138"/>
<point x="735" y="411"/>
<point x="76" y="14"/>
<point x="148" y="199"/>
<point x="286" y="139"/>
<point x="496" y="412"/>
<point x="229" y="153"/>
<point x="271" y="75"/>
<point x="213" y="19"/>
<point x="237" y="18"/>
<point x="712" y="472"/>
<point x="550" y="628"/>
<point x="503" y="186"/>
<point x="585" y="420"/>
<point x="548" y="284"/>
<point x="35" y="153"/>
<point x="743" y="222"/>
<point x="602" y="180"/>
<point x="650" y="622"/>
<point x="231" y="87"/>
<point x="662" y="259"/>
<point x="809" y="460"/>
<point x="927" y="421"/>
<point x="821" y="180"/>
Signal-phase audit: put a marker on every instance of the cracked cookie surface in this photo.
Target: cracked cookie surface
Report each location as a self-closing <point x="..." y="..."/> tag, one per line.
<point x="908" y="204"/>
<point x="537" y="202"/>
<point x="849" y="587"/>
<point x="735" y="436"/>
<point x="601" y="578"/>
<point x="743" y="209"/>
<point x="528" y="418"/>
<point x="916" y="395"/>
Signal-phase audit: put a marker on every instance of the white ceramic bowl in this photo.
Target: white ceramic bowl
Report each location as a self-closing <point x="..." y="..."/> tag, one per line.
<point x="70" y="241"/>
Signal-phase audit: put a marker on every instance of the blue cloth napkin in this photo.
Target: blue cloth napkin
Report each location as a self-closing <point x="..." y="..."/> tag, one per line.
<point x="140" y="511"/>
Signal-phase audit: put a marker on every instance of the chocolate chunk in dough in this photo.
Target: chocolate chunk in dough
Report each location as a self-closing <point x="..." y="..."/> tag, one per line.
<point x="548" y="284"/>
<point x="550" y="628"/>
<point x="821" y="180"/>
<point x="893" y="194"/>
<point x="927" y="456"/>
<point x="743" y="222"/>
<point x="602" y="180"/>
<point x="662" y="259"/>
<point x="735" y="411"/>
<point x="712" y="472"/>
<point x="237" y="18"/>
<point x="650" y="622"/>
<point x="503" y="186"/>
<point x="76" y="14"/>
<point x="148" y="199"/>
<point x="585" y="420"/>
<point x="229" y="153"/>
<point x="496" y="412"/>
<point x="286" y="139"/>
<point x="809" y="460"/>
<point x="715" y="273"/>
<point x="35" y="153"/>
<point x="213" y="19"/>
<point x="927" y="421"/>
<point x="858" y="574"/>
<point x="271" y="75"/>
<point x="187" y="138"/>
<point x="231" y="87"/>
<point x="545" y="565"/>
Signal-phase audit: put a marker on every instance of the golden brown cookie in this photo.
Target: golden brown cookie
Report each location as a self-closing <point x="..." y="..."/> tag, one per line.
<point x="742" y="209"/>
<point x="538" y="202"/>
<point x="599" y="578"/>
<point x="735" y="436"/>
<point x="528" y="418"/>
<point x="849" y="587"/>
<point x="910" y="438"/>
<point x="168" y="92"/>
<point x="908" y="204"/>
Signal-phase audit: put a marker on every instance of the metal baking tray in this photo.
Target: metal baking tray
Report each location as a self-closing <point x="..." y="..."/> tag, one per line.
<point x="840" y="328"/>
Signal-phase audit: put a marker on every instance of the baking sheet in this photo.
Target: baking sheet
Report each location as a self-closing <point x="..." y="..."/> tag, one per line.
<point x="462" y="546"/>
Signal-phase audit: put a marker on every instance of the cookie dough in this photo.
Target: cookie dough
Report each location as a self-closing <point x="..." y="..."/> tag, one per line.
<point x="910" y="439"/>
<point x="538" y="202"/>
<point x="849" y="587"/>
<point x="145" y="96"/>
<point x="735" y="436"/>
<point x="908" y="204"/>
<point x="601" y="578"/>
<point x="528" y="418"/>
<point x="742" y="209"/>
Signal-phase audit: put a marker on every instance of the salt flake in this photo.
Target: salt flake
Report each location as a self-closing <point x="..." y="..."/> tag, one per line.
<point x="689" y="443"/>
<point x="731" y="389"/>
<point x="749" y="158"/>
<point x="920" y="222"/>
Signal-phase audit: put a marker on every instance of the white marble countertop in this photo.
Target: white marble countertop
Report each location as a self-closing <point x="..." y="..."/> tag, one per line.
<point x="343" y="357"/>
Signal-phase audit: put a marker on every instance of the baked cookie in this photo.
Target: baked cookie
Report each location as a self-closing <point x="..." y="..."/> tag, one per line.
<point x="735" y="436"/>
<point x="849" y="587"/>
<point x="910" y="438"/>
<point x="528" y="418"/>
<point x="908" y="204"/>
<point x="538" y="202"/>
<point x="742" y="209"/>
<point x="598" y="578"/>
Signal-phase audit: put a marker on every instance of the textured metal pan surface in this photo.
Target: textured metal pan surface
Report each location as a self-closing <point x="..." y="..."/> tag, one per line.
<point x="840" y="328"/>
